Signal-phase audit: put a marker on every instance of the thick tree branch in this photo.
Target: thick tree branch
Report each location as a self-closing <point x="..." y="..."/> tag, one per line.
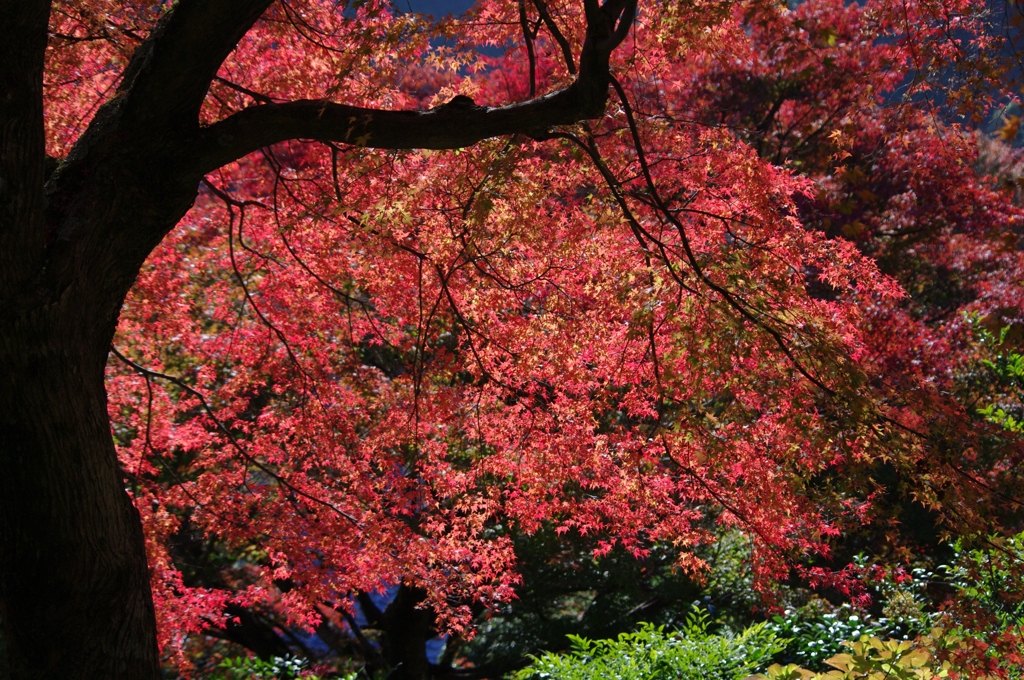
<point x="164" y="85"/>
<point x="456" y="124"/>
<point x="451" y="126"/>
<point x="171" y="71"/>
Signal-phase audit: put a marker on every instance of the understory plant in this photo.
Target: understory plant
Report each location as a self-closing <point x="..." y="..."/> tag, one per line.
<point x="652" y="653"/>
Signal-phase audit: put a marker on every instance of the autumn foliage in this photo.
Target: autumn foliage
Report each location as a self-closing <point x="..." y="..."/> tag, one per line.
<point x="747" y="297"/>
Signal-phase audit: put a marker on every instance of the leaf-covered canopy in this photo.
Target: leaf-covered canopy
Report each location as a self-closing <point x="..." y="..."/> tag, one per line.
<point x="740" y="294"/>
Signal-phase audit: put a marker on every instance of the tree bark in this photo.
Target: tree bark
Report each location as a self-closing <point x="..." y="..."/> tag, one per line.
<point x="74" y="596"/>
<point x="406" y="626"/>
<point x="75" y="583"/>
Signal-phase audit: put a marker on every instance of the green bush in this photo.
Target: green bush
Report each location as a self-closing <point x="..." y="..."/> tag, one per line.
<point x="813" y="639"/>
<point x="252" y="668"/>
<point x="989" y="607"/>
<point x="692" y="653"/>
<point x="990" y="580"/>
<point x="1006" y="379"/>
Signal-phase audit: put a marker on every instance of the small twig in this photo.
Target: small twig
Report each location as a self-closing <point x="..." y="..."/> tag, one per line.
<point x="730" y="299"/>
<point x="256" y="96"/>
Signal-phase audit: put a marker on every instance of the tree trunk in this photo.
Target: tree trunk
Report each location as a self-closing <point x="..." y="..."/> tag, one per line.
<point x="408" y="627"/>
<point x="75" y="584"/>
<point x="74" y="591"/>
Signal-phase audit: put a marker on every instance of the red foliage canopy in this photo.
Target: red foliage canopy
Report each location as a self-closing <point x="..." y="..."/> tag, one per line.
<point x="742" y="295"/>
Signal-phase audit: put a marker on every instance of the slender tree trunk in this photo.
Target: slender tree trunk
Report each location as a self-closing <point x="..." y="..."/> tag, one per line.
<point x="408" y="628"/>
<point x="73" y="576"/>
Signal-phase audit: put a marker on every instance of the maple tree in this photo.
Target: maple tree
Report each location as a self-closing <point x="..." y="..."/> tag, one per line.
<point x="362" y="358"/>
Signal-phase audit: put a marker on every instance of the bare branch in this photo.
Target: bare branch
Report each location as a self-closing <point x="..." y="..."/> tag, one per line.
<point x="528" y="38"/>
<point x="450" y="126"/>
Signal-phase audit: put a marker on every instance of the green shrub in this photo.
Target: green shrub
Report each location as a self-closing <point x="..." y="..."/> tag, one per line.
<point x="692" y="653"/>
<point x="1006" y="379"/>
<point x="989" y="606"/>
<point x="990" y="580"/>
<point x="277" y="668"/>
<point x="813" y="639"/>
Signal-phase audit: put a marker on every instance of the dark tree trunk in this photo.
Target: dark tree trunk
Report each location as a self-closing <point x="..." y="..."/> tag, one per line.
<point x="74" y="596"/>
<point x="75" y="582"/>
<point x="406" y="626"/>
